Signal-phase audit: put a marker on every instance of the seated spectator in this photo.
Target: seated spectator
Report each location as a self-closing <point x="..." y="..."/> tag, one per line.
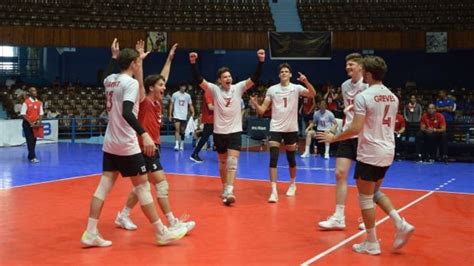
<point x="20" y="92"/>
<point x="307" y="110"/>
<point x="446" y="106"/>
<point x="431" y="135"/>
<point x="339" y="112"/>
<point x="323" y="120"/>
<point x="52" y="114"/>
<point x="412" y="111"/>
<point x="17" y="106"/>
<point x="399" y="132"/>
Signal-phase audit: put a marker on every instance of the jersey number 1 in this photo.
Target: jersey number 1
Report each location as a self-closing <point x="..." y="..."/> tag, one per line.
<point x="386" y="120"/>
<point x="285" y="102"/>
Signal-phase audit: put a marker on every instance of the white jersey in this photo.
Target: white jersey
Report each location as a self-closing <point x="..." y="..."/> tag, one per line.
<point x="227" y="108"/>
<point x="349" y="90"/>
<point x="324" y="121"/>
<point x="180" y="102"/>
<point x="284" y="107"/>
<point x="376" y="140"/>
<point x="120" y="138"/>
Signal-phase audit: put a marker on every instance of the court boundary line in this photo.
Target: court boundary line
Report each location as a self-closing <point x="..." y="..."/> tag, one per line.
<point x="50" y="181"/>
<point x="360" y="233"/>
<point x="240" y="178"/>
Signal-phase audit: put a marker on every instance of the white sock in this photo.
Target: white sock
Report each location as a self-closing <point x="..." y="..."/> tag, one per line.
<point x="339" y="210"/>
<point x="170" y="217"/>
<point x="126" y="211"/>
<point x="159" y="227"/>
<point x="177" y="143"/>
<point x="230" y="188"/>
<point x="274" y="187"/>
<point x="292" y="181"/>
<point x="92" y="225"/>
<point x="396" y="218"/>
<point x="306" y="149"/>
<point x="371" y="235"/>
<point x="326" y="152"/>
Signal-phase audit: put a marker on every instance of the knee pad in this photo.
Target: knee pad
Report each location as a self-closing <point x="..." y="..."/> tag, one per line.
<point x="274" y="153"/>
<point x="290" y="156"/>
<point x="162" y="189"/>
<point x="232" y="162"/>
<point x="378" y="196"/>
<point x="143" y="193"/>
<point x="104" y="187"/>
<point x="366" y="202"/>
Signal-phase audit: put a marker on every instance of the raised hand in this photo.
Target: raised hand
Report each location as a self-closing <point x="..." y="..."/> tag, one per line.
<point x="302" y="78"/>
<point x="193" y="56"/>
<point x="261" y="55"/>
<point x="172" y="51"/>
<point x="115" y="48"/>
<point x="140" y="47"/>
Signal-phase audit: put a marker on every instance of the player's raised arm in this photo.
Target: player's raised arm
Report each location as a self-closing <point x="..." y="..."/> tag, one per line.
<point x="311" y="92"/>
<point x="193" y="56"/>
<point x="165" y="71"/>
<point x="140" y="47"/>
<point x="115" y="49"/>
<point x="258" y="71"/>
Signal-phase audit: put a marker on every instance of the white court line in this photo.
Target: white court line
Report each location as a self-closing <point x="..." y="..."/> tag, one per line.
<point x="50" y="181"/>
<point x="342" y="243"/>
<point x="326" y="184"/>
<point x="246" y="178"/>
<point x="309" y="168"/>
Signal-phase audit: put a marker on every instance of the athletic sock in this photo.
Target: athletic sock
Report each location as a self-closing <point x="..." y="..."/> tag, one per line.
<point x="92" y="225"/>
<point x="170" y="217"/>
<point x="396" y="218"/>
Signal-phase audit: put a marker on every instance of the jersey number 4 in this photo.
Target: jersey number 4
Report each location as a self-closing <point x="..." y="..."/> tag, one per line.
<point x="386" y="120"/>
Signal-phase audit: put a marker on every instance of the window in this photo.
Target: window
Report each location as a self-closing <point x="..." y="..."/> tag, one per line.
<point x="9" y="59"/>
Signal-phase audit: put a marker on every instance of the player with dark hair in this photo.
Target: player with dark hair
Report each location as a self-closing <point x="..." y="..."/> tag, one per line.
<point x="283" y="97"/>
<point x="227" y="118"/>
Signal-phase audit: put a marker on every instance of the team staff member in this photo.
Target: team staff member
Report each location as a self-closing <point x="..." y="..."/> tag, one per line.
<point x="32" y="114"/>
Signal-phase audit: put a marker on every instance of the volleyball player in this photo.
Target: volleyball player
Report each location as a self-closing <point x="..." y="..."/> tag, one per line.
<point x="227" y="119"/>
<point x="347" y="149"/>
<point x="180" y="101"/>
<point x="122" y="152"/>
<point x="374" y="122"/>
<point x="149" y="115"/>
<point x="283" y="98"/>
